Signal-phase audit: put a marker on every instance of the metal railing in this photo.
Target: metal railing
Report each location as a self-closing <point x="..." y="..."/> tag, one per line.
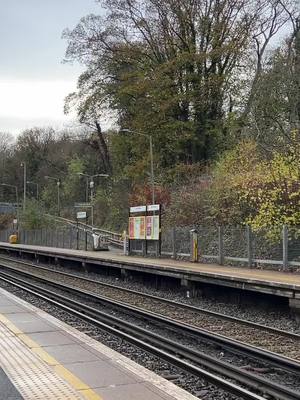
<point x="67" y="238"/>
<point x="240" y="245"/>
<point x="112" y="237"/>
<point x="236" y="245"/>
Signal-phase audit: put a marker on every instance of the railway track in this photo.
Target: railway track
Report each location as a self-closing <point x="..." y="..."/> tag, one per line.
<point x="277" y="341"/>
<point x="177" y="354"/>
<point x="172" y="352"/>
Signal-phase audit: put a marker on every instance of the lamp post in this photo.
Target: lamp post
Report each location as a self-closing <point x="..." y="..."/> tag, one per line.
<point x="17" y="199"/>
<point x="37" y="188"/>
<point x="92" y="186"/>
<point x="86" y="186"/>
<point x="57" y="180"/>
<point x="151" y="157"/>
<point x="23" y="164"/>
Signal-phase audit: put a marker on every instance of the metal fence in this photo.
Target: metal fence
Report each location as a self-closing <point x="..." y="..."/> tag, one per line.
<point x="274" y="247"/>
<point x="8" y="208"/>
<point x="67" y="238"/>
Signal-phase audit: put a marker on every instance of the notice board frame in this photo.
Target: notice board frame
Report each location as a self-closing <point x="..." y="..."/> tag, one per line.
<point x="138" y="214"/>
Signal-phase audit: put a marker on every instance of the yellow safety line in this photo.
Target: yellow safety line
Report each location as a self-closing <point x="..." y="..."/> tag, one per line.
<point x="63" y="372"/>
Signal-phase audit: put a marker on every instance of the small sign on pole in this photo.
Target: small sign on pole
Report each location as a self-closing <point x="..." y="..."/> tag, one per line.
<point x="82" y="205"/>
<point x="81" y="215"/>
<point x="137" y="209"/>
<point x="153" y="207"/>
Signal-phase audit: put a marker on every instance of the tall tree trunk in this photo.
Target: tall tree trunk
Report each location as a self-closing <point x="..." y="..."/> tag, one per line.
<point x="103" y="148"/>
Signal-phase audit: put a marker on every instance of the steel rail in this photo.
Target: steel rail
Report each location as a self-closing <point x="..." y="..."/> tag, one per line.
<point x="251" y="324"/>
<point x="231" y="345"/>
<point x="163" y="347"/>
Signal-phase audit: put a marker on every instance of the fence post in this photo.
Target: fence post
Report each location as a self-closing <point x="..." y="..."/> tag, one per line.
<point x="174" y="243"/>
<point x="285" y="243"/>
<point x="194" y="245"/>
<point x="85" y="239"/>
<point x="249" y="246"/>
<point x="221" y="244"/>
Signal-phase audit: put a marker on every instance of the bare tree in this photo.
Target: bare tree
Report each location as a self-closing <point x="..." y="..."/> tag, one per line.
<point x="274" y="15"/>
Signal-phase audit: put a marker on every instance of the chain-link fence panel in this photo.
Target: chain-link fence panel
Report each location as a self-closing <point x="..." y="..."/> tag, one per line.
<point x="167" y="242"/>
<point x="235" y="242"/>
<point x="267" y="244"/>
<point x="183" y="241"/>
<point x="208" y="241"/>
<point x="294" y="244"/>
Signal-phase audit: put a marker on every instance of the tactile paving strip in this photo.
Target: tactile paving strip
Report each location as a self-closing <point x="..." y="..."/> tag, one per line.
<point x="148" y="376"/>
<point x="33" y="378"/>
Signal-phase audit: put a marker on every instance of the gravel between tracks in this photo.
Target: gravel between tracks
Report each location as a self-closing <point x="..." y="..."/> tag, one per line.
<point x="248" y="363"/>
<point x="288" y="347"/>
<point x="272" y="316"/>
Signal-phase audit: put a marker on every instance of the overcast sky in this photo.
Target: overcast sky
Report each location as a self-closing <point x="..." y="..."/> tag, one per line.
<point x="33" y="79"/>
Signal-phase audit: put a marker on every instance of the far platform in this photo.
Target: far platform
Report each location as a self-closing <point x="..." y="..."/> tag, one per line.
<point x="279" y="283"/>
<point x="42" y="358"/>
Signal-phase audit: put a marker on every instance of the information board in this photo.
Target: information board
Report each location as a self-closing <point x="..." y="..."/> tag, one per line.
<point x="152" y="227"/>
<point x="81" y="215"/>
<point x="137" y="228"/>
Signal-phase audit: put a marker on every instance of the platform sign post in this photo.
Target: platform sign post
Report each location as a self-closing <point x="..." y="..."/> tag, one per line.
<point x="15" y="225"/>
<point x="194" y="245"/>
<point x="285" y="241"/>
<point x="80" y="215"/>
<point x="221" y="244"/>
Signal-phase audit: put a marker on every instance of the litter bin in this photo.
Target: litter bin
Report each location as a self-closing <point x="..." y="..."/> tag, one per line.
<point x="13" y="239"/>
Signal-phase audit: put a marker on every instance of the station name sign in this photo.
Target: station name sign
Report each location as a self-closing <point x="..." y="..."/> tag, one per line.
<point x="81" y="215"/>
<point x="142" y="209"/>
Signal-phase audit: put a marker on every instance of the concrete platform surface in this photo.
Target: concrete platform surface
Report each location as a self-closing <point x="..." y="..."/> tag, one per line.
<point x="234" y="273"/>
<point x="42" y="358"/>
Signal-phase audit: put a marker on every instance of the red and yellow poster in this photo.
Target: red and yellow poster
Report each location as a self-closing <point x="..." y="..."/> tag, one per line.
<point x="137" y="228"/>
<point x="152" y="227"/>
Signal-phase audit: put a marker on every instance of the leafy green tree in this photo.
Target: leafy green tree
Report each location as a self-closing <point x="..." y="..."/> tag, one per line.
<point x="169" y="68"/>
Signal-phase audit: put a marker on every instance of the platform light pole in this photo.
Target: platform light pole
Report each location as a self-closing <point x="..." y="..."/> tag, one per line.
<point x="57" y="180"/>
<point x="92" y="187"/>
<point x="23" y="164"/>
<point x="37" y="188"/>
<point x="17" y="199"/>
<point x="151" y="157"/>
<point x="86" y="186"/>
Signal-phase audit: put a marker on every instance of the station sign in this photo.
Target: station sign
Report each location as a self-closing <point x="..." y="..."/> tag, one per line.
<point x="82" y="205"/>
<point x="153" y="207"/>
<point x="81" y="215"/>
<point x="145" y="227"/>
<point x="138" y="209"/>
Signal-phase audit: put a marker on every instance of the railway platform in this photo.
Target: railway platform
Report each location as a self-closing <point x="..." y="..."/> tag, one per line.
<point x="42" y="358"/>
<point x="278" y="283"/>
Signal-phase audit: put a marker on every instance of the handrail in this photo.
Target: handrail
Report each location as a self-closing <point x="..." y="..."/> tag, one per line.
<point x="113" y="237"/>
